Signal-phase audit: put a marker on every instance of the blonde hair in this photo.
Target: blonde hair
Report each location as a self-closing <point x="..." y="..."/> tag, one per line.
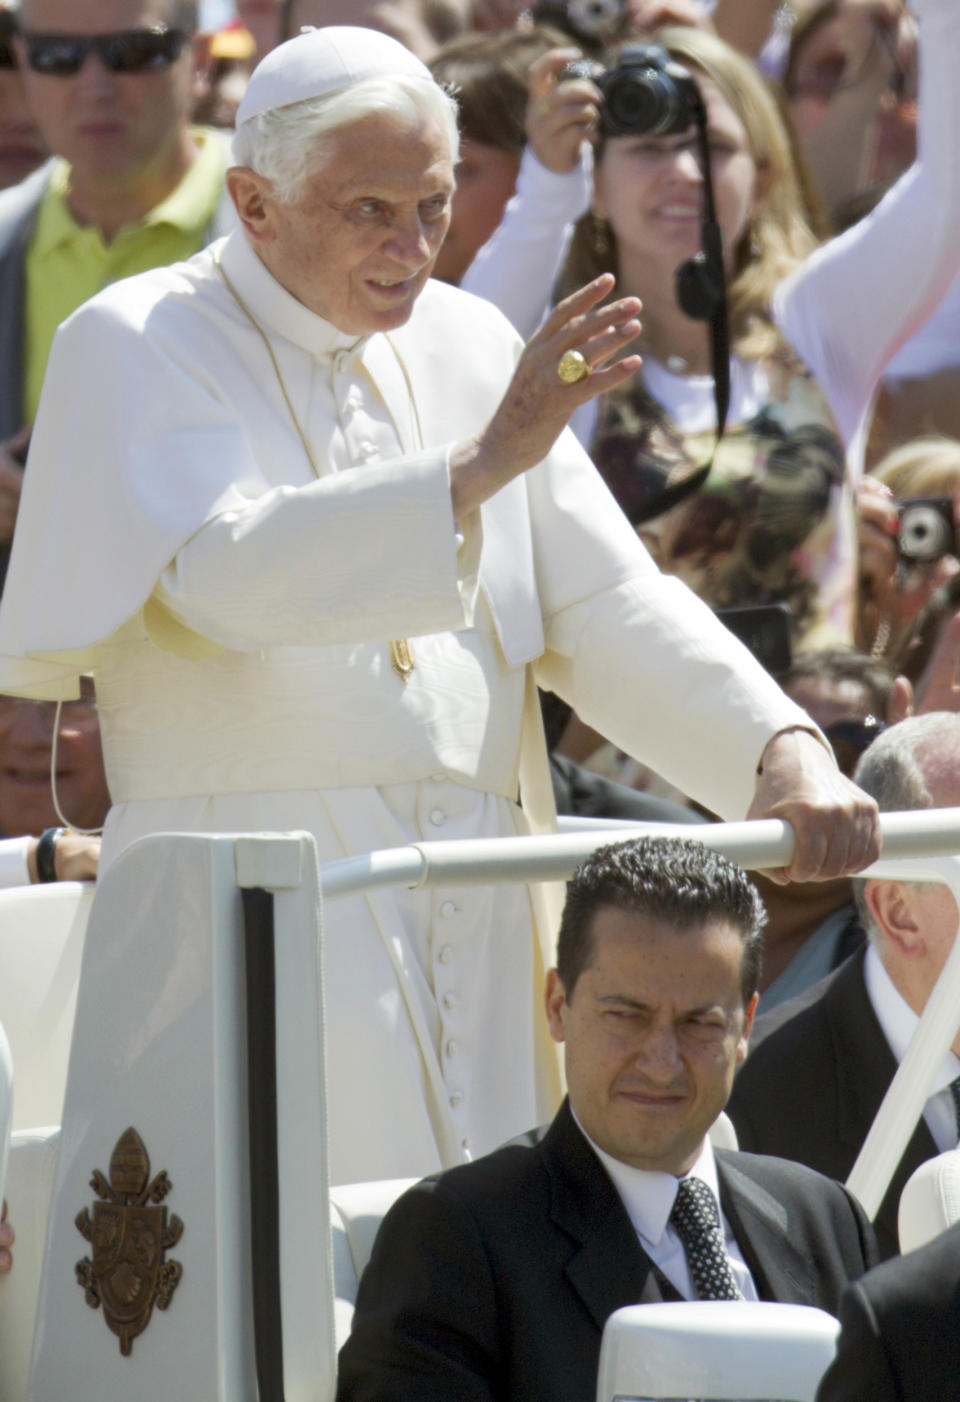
<point x="925" y="467"/>
<point x="778" y="236"/>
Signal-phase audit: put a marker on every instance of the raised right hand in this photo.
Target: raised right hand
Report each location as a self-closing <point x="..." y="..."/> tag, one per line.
<point x="538" y="404"/>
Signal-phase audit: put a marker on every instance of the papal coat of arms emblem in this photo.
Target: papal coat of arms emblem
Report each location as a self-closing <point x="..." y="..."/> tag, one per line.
<point x="128" y="1274"/>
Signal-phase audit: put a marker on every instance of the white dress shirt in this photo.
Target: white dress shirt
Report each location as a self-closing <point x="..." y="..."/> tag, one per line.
<point x="648" y="1199"/>
<point x="899" y="1022"/>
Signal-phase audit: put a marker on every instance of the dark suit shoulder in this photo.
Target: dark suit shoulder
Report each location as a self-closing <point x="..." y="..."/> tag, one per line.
<point x="796" y="1186"/>
<point x="785" y="1095"/>
<point x="900" y="1335"/>
<point x="809" y="1007"/>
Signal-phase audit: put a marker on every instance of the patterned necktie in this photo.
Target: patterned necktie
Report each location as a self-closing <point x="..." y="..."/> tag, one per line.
<point x="696" y="1221"/>
<point x="954" y="1089"/>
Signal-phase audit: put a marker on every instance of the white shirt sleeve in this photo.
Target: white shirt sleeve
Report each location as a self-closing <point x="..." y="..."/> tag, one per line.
<point x="13" y="862"/>
<point x="518" y="266"/>
<point x="862" y="295"/>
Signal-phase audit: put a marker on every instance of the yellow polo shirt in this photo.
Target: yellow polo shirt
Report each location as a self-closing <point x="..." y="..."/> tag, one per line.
<point x="66" y="262"/>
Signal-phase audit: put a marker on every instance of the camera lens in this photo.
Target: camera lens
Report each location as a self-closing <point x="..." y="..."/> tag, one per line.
<point x="925" y="534"/>
<point x="643" y="100"/>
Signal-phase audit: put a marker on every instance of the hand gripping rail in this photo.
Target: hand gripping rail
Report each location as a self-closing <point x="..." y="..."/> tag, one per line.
<point x="921" y="846"/>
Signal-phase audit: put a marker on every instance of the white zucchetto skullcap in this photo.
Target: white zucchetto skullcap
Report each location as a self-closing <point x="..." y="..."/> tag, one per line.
<point x="321" y="61"/>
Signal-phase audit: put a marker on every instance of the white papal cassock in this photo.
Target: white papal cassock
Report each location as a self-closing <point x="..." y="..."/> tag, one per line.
<point x="237" y="612"/>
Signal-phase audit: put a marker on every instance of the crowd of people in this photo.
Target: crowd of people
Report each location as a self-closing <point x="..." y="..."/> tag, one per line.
<point x="419" y="416"/>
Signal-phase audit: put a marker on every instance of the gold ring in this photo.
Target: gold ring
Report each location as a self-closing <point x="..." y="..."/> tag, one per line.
<point x="572" y="367"/>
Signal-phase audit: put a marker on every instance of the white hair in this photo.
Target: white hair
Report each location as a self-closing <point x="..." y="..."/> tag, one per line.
<point x="286" y="144"/>
<point x="897" y="770"/>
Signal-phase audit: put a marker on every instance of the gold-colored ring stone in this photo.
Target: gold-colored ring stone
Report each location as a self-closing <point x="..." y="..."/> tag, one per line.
<point x="572" y="367"/>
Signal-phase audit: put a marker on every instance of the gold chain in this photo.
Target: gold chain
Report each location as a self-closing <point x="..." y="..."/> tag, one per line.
<point x="401" y="657"/>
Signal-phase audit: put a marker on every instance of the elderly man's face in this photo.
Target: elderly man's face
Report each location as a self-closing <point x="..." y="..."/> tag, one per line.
<point x="359" y="244"/>
<point x="652" y="1033"/>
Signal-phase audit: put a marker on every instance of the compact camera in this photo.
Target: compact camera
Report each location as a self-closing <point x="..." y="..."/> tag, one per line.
<point x="646" y="93"/>
<point x="927" y="530"/>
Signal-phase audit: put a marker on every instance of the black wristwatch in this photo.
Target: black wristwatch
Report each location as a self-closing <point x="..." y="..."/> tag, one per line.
<point x="46" y="849"/>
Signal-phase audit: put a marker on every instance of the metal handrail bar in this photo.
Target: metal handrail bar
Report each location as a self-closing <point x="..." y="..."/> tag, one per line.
<point x="489" y="861"/>
<point x="919" y="846"/>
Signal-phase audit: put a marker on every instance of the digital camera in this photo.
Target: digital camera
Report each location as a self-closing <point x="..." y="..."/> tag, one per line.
<point x="646" y="93"/>
<point x="927" y="531"/>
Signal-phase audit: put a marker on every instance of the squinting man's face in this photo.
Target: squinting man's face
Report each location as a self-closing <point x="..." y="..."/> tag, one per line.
<point x="360" y="243"/>
<point x="109" y="126"/>
<point x="652" y="1035"/>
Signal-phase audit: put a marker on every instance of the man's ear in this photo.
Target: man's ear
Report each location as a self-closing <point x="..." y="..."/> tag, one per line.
<point x="252" y="196"/>
<point x="555" y="1000"/>
<point x="892" y="910"/>
<point x="748" y="1016"/>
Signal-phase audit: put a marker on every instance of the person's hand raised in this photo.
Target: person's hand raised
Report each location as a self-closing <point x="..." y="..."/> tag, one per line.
<point x="561" y="115"/>
<point x="538" y="403"/>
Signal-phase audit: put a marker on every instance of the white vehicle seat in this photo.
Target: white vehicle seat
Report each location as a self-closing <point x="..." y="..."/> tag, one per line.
<point x="42" y="930"/>
<point x="30" y="1173"/>
<point x="356" y="1211"/>
<point x="715" y="1349"/>
<point x="930" y="1201"/>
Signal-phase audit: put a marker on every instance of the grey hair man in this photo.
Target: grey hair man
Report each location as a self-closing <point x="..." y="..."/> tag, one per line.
<point x="652" y="1000"/>
<point x="838" y="1045"/>
<point x="324" y="535"/>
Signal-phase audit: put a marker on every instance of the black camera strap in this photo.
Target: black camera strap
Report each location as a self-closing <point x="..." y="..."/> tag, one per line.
<point x="701" y="291"/>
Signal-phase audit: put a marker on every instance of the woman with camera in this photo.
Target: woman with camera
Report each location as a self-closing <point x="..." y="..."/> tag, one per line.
<point x="811" y="332"/>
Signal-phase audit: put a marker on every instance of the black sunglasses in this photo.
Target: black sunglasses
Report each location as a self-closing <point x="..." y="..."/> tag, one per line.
<point x="849" y="738"/>
<point x="128" y="51"/>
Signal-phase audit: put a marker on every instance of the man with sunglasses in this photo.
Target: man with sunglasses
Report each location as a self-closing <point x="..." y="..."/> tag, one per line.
<point x="133" y="186"/>
<point x="820" y="1064"/>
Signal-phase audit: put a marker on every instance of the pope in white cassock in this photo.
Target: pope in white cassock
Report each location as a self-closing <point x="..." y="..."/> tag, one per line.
<point x="313" y="522"/>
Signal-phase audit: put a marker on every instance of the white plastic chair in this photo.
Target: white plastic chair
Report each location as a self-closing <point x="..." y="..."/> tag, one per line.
<point x="356" y="1211"/>
<point x="716" y="1349"/>
<point x="42" y="930"/>
<point x="930" y="1200"/>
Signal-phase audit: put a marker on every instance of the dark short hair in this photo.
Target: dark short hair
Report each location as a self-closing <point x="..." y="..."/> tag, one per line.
<point x="675" y="880"/>
<point x="489" y="75"/>
<point x="841" y="664"/>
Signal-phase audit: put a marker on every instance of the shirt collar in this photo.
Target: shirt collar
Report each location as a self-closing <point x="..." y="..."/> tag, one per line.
<point x="274" y="307"/>
<point x="897" y="1019"/>
<point x="189" y="206"/>
<point x="649" y="1197"/>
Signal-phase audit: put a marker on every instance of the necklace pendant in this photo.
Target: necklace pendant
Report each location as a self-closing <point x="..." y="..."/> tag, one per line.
<point x="402" y="658"/>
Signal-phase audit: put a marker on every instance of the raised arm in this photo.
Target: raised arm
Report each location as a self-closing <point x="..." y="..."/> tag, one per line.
<point x="861" y="296"/>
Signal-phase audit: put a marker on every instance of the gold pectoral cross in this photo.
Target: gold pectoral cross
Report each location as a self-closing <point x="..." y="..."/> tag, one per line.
<point x="402" y="658"/>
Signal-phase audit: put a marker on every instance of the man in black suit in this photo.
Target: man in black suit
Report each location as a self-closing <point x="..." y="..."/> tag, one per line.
<point x="820" y="1064"/>
<point x="900" y="1338"/>
<point x="493" y="1280"/>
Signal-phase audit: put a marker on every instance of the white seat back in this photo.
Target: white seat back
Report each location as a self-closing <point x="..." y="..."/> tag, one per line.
<point x="30" y="1173"/>
<point x="930" y="1200"/>
<point x="356" y="1211"/>
<point x="154" y="1143"/>
<point x="715" y="1349"/>
<point x="42" y="931"/>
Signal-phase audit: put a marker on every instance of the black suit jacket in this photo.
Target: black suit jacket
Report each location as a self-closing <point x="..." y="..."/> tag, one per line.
<point x="818" y="1068"/>
<point x="493" y="1281"/>
<point x="900" y="1340"/>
